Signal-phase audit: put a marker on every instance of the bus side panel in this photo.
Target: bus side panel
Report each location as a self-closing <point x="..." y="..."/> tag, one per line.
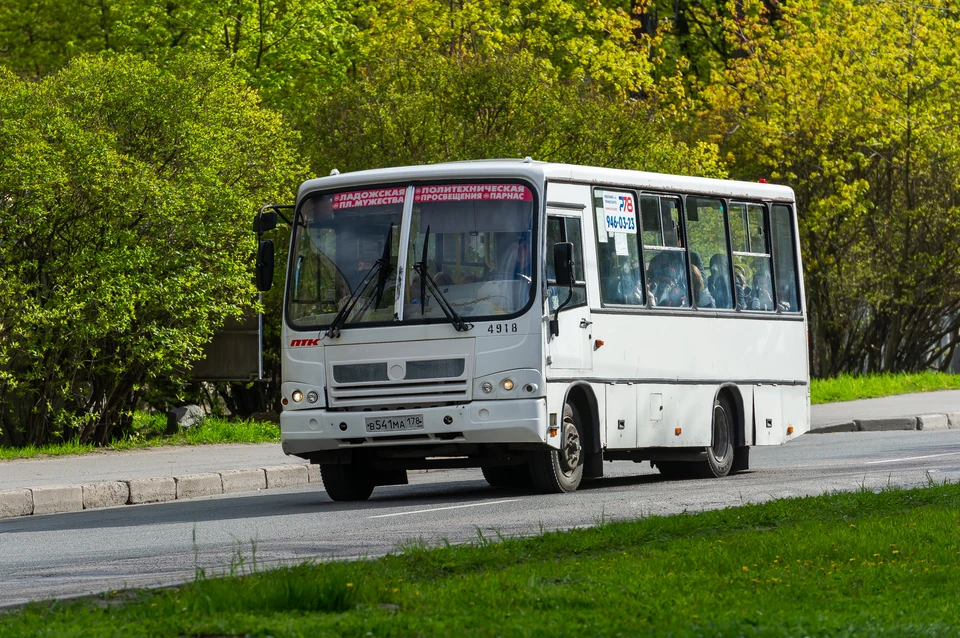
<point x="621" y="419"/>
<point x="794" y="399"/>
<point x="662" y="409"/>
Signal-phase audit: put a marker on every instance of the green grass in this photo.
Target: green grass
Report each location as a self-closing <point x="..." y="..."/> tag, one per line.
<point x="149" y="432"/>
<point x="854" y="564"/>
<point x="871" y="386"/>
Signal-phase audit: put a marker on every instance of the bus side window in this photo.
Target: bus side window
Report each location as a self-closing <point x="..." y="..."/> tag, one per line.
<point x="709" y="262"/>
<point x="752" y="278"/>
<point x="663" y="251"/>
<point x="785" y="258"/>
<point x="618" y="252"/>
<point x="563" y="229"/>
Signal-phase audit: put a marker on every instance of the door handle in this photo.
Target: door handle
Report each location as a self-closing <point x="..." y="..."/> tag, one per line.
<point x="584" y="323"/>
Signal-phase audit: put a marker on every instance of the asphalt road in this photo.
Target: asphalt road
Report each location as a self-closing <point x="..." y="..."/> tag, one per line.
<point x="149" y="545"/>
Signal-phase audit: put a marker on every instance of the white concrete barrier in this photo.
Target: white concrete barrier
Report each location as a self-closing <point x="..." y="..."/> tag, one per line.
<point x="193" y="485"/>
<point x="111" y="494"/>
<point x="932" y="422"/>
<point x="57" y="499"/>
<point x="243" y="480"/>
<point x="152" y="490"/>
<point x="16" y="503"/>
<point x="286" y="475"/>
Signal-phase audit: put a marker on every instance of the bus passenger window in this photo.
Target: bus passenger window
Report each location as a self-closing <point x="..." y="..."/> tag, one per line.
<point x="752" y="279"/>
<point x="663" y="251"/>
<point x="618" y="253"/>
<point x="710" y="265"/>
<point x="785" y="258"/>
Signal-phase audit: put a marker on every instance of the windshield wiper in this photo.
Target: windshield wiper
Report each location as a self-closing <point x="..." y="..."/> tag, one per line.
<point x="381" y="266"/>
<point x="385" y="268"/>
<point x="421" y="267"/>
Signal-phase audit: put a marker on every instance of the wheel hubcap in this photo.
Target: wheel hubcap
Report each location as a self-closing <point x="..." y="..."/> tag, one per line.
<point x="721" y="433"/>
<point x="570" y="448"/>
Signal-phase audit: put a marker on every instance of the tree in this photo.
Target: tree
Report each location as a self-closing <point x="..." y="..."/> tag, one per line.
<point x="470" y="107"/>
<point x="855" y="108"/>
<point x="281" y="47"/>
<point x="125" y="199"/>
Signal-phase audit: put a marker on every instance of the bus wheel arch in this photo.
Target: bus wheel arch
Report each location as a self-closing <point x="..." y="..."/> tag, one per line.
<point x="581" y="396"/>
<point x="734" y="397"/>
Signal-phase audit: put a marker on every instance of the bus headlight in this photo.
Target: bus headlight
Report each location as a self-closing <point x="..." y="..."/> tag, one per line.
<point x="507" y="384"/>
<point x="297" y="396"/>
<point x="312" y="396"/>
<point x="487" y="387"/>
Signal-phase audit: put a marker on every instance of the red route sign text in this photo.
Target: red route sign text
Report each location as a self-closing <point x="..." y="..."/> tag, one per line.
<point x="472" y="192"/>
<point x="433" y="194"/>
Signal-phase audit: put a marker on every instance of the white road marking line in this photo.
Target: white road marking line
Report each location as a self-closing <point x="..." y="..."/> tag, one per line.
<point x="440" y="509"/>
<point x="912" y="458"/>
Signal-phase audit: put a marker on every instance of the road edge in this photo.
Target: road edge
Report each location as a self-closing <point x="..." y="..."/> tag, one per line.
<point x="949" y="421"/>
<point x="58" y="499"/>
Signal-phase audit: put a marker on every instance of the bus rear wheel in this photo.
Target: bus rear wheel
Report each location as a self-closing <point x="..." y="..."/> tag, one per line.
<point x="557" y="471"/>
<point x="346" y="482"/>
<point x="719" y="459"/>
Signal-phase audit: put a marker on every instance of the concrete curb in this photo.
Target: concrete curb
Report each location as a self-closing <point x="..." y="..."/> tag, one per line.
<point x="55" y="499"/>
<point x="922" y="422"/>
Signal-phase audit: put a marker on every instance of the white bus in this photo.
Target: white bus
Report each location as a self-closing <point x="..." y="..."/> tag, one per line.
<point x="535" y="319"/>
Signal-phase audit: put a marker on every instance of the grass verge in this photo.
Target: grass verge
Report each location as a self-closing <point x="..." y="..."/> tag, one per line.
<point x="871" y="386"/>
<point x="884" y="564"/>
<point x="148" y="431"/>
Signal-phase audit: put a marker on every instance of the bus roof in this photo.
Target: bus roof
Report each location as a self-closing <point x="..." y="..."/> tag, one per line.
<point x="539" y="171"/>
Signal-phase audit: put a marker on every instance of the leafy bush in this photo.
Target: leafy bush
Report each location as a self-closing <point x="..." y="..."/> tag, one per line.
<point x="126" y="193"/>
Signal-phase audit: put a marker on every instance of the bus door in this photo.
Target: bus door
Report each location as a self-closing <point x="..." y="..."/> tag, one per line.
<point x="572" y="349"/>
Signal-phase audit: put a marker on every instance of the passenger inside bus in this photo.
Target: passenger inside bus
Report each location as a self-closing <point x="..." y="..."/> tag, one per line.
<point x="719" y="281"/>
<point x="669" y="283"/>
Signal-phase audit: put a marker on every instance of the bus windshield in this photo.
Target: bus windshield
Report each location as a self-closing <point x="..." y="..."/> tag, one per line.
<point x="474" y="242"/>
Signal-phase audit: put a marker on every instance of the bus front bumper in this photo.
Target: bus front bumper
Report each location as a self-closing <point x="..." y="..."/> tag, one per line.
<point x="512" y="421"/>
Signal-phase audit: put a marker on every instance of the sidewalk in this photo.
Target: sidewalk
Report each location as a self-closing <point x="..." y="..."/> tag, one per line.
<point x="901" y="412"/>
<point x="153" y="475"/>
<point x="108" y="465"/>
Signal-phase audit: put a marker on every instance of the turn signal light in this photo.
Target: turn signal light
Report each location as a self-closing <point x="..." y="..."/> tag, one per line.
<point x="677" y="431"/>
<point x="789" y="429"/>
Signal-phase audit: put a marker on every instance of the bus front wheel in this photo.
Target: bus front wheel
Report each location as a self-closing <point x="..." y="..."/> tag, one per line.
<point x="346" y="482"/>
<point x="557" y="471"/>
<point x="720" y="454"/>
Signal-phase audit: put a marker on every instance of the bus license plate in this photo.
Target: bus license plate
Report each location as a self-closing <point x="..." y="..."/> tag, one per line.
<point x="394" y="423"/>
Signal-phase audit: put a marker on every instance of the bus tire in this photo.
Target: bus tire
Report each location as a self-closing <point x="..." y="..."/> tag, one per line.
<point x="720" y="454"/>
<point x="511" y="476"/>
<point x="346" y="482"/>
<point x="558" y="471"/>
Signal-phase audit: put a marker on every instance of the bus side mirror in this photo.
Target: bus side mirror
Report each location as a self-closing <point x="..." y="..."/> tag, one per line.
<point x="264" y="268"/>
<point x="563" y="264"/>
<point x="264" y="221"/>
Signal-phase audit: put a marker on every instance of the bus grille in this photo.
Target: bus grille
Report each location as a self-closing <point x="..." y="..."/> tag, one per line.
<point x="425" y="383"/>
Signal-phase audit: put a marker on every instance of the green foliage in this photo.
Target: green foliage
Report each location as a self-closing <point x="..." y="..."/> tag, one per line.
<point x="837" y="565"/>
<point x="125" y="199"/>
<point x="280" y="47"/>
<point x="455" y="108"/>
<point x="579" y="39"/>
<point x="853" y="105"/>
